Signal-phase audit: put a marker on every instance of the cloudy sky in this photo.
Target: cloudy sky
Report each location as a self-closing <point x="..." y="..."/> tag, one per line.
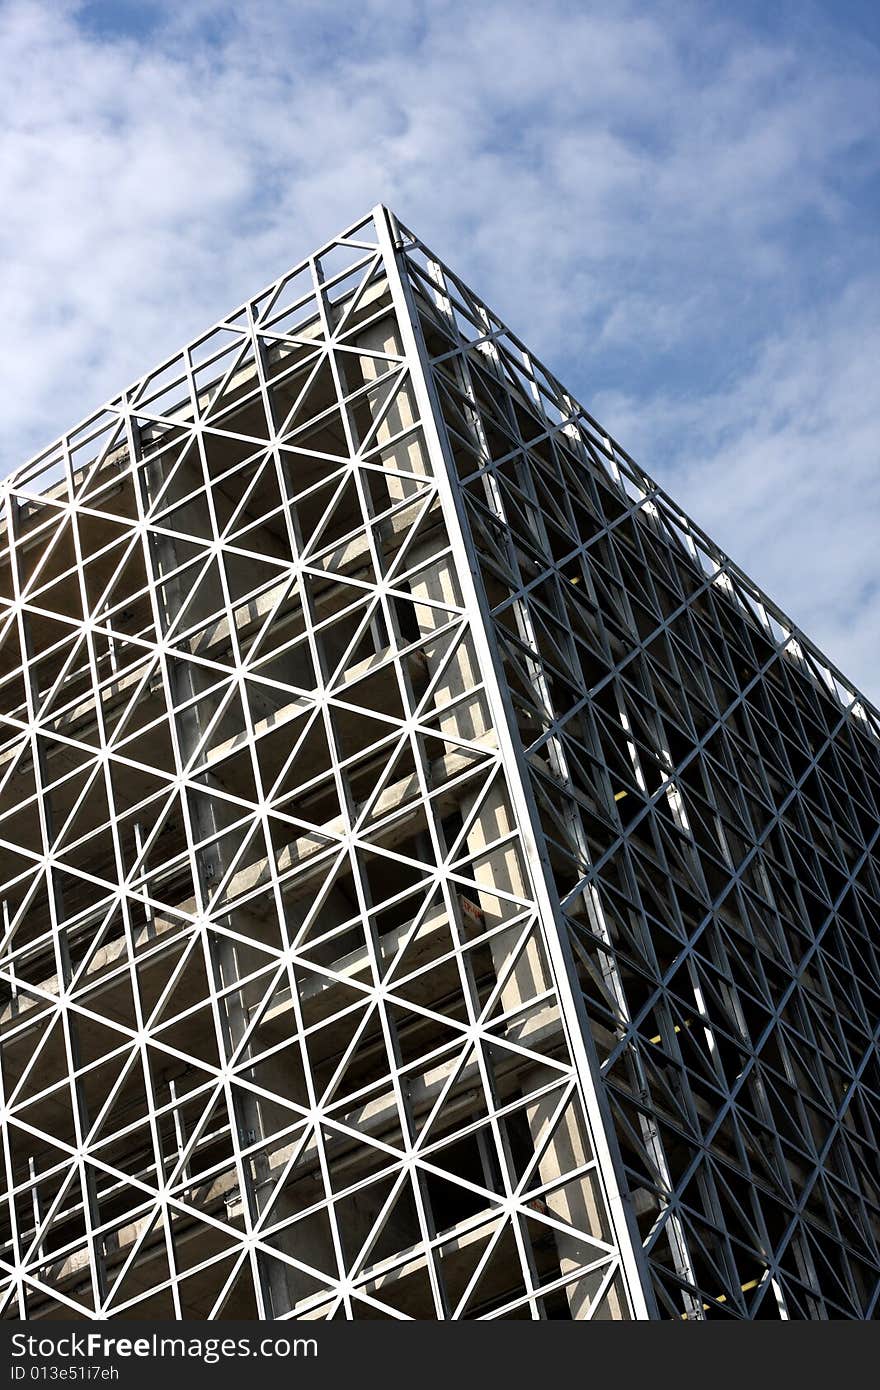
<point x="675" y="204"/>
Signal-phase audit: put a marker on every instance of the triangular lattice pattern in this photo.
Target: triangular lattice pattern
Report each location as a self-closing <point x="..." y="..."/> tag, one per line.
<point x="435" y="882"/>
<point x="708" y="791"/>
<point x="281" y="1026"/>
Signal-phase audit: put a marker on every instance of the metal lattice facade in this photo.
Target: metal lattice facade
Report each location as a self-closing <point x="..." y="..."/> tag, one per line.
<point x="435" y="882"/>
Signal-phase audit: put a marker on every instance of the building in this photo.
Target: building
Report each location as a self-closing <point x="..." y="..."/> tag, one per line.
<point x="436" y="882"/>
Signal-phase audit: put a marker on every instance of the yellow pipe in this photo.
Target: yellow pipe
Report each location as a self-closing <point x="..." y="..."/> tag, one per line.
<point x="722" y="1297"/>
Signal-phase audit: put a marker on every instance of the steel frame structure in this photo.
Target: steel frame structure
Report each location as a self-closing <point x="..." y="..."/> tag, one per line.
<point x="436" y="883"/>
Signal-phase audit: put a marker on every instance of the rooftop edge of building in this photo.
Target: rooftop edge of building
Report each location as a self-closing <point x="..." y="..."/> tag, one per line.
<point x="48" y="474"/>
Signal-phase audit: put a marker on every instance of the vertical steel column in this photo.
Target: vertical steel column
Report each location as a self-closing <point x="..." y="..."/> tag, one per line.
<point x="91" y="1211"/>
<point x="631" y="1257"/>
<point x="161" y="558"/>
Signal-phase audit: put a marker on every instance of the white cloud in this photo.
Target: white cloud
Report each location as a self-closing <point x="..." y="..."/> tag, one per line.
<point x="782" y="468"/>
<point x="653" y="195"/>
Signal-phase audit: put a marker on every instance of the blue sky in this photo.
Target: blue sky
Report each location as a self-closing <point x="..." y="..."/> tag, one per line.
<point x="676" y="205"/>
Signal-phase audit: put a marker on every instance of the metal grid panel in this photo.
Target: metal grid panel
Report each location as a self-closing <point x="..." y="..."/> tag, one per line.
<point x="280" y="1026"/>
<point x="708" y="789"/>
